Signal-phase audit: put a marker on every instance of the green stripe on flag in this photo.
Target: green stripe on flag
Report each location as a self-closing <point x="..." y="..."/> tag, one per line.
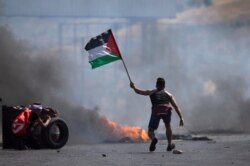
<point x="103" y="60"/>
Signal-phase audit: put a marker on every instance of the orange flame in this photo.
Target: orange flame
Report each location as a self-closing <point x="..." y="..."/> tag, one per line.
<point x="131" y="132"/>
<point x="134" y="132"/>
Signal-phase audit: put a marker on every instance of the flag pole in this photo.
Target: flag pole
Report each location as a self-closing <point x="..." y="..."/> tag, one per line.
<point x="126" y="69"/>
<point x="120" y="55"/>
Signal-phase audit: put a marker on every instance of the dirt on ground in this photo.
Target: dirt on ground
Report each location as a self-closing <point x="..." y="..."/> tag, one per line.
<point x="222" y="150"/>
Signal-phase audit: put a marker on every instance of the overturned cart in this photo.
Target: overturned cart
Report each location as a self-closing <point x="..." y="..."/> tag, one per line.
<point x="33" y="127"/>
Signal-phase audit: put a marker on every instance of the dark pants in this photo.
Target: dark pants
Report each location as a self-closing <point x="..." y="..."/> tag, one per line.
<point x="155" y="120"/>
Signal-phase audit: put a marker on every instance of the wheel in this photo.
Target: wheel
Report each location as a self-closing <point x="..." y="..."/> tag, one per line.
<point x="56" y="134"/>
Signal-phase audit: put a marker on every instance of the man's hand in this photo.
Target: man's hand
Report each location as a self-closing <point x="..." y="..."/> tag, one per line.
<point x="132" y="85"/>
<point x="181" y="122"/>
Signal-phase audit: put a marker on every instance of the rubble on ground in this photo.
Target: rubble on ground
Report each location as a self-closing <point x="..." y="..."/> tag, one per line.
<point x="186" y="137"/>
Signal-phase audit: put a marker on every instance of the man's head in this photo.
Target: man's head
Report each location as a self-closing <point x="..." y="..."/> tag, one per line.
<point x="160" y="83"/>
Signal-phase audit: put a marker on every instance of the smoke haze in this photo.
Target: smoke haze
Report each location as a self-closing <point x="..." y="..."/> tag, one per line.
<point x="218" y="65"/>
<point x="203" y="53"/>
<point x="28" y="78"/>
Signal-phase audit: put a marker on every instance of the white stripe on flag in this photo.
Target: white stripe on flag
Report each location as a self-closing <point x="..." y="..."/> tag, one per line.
<point x="98" y="52"/>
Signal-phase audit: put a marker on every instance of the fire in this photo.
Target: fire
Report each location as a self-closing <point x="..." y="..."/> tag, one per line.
<point x="134" y="132"/>
<point x="131" y="132"/>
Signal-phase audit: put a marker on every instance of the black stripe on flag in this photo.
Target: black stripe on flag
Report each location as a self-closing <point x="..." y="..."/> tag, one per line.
<point x="98" y="40"/>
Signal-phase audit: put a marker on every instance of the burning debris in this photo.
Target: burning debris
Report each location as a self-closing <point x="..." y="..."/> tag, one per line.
<point x="124" y="133"/>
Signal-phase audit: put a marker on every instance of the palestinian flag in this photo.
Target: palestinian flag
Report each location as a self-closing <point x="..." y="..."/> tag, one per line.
<point x="102" y="49"/>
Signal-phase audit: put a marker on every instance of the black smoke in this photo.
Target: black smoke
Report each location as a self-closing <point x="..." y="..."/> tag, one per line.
<point x="29" y="76"/>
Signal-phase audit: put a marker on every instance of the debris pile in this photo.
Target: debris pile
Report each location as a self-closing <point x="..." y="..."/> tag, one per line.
<point x="187" y="137"/>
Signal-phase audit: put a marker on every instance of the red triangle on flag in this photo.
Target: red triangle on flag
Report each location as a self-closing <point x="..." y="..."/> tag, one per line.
<point x="112" y="46"/>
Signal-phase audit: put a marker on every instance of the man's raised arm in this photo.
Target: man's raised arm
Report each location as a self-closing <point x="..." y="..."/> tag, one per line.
<point x="139" y="91"/>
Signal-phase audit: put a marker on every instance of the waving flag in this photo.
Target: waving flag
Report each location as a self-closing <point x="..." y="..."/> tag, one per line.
<point x="103" y="49"/>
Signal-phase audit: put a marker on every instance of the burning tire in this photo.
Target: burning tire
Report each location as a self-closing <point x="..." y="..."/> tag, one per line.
<point x="56" y="134"/>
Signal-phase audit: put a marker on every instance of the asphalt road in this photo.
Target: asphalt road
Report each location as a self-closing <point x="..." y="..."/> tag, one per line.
<point x="222" y="151"/>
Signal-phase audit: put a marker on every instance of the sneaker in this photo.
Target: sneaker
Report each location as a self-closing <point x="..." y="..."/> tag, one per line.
<point x="171" y="147"/>
<point x="152" y="145"/>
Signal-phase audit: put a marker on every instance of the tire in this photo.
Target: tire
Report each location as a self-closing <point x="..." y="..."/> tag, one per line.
<point x="56" y="134"/>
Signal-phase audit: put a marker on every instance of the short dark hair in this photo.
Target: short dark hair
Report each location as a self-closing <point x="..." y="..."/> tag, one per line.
<point x="160" y="82"/>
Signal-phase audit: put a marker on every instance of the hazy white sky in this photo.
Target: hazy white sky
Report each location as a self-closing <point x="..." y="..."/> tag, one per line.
<point x="91" y="8"/>
<point x="220" y="11"/>
<point x="210" y="41"/>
